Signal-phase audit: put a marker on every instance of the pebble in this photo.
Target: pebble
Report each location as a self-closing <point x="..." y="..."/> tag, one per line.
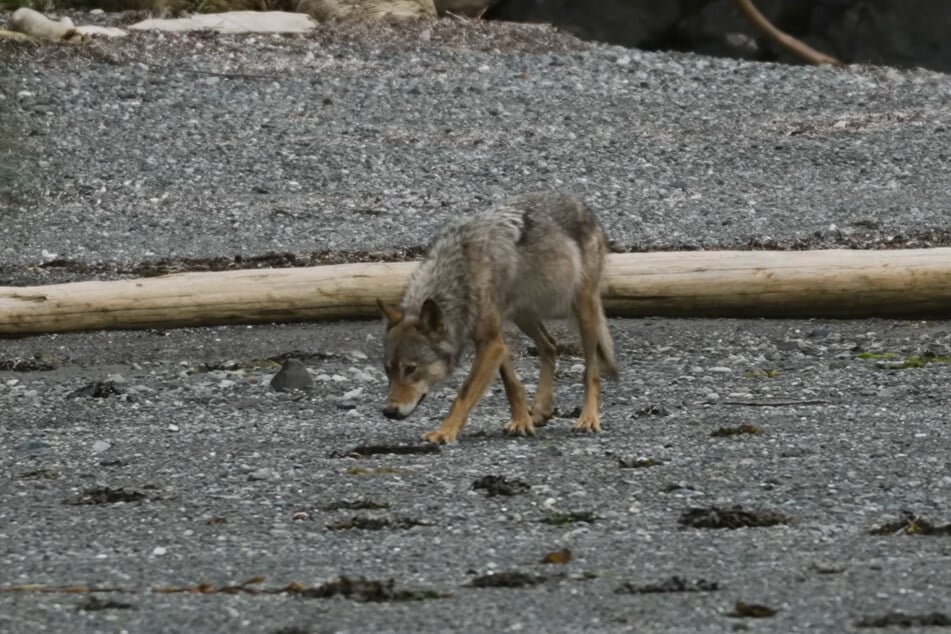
<point x="366" y="377"/>
<point x="262" y="474"/>
<point x="100" y="446"/>
<point x="352" y="394"/>
<point x="34" y="446"/>
<point x="158" y="551"/>
<point x="712" y="397"/>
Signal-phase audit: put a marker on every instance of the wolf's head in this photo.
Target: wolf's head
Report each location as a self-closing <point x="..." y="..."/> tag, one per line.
<point x="417" y="356"/>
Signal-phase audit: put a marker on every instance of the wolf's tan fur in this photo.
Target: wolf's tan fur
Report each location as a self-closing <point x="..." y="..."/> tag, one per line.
<point x="534" y="257"/>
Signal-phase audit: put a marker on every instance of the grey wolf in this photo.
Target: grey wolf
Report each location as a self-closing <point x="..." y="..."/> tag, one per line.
<point x="533" y="257"/>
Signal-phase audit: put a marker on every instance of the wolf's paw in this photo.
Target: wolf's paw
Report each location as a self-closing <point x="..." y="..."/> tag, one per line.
<point x="588" y="422"/>
<point x="540" y="415"/>
<point x="439" y="437"/>
<point x="520" y="427"/>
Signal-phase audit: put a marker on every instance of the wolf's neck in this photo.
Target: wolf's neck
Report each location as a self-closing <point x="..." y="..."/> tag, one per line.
<point x="450" y="292"/>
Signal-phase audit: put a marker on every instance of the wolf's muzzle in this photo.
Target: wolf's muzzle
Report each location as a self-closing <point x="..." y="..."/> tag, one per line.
<point x="391" y="411"/>
<point x="395" y="412"/>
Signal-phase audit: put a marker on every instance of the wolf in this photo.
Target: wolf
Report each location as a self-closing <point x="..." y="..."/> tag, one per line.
<point x="532" y="257"/>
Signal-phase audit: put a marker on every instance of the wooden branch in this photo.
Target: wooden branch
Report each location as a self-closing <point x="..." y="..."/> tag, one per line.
<point x="912" y="283"/>
<point x="791" y="44"/>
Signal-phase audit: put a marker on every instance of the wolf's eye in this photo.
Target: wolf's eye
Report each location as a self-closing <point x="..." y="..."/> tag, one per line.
<point x="409" y="369"/>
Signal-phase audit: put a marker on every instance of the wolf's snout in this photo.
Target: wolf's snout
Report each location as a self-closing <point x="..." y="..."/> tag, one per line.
<point x="399" y="411"/>
<point x="393" y="411"/>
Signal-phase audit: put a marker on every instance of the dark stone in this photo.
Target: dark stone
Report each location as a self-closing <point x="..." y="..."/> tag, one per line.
<point x="293" y="375"/>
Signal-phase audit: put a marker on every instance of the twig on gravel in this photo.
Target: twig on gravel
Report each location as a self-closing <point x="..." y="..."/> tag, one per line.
<point x="777" y="403"/>
<point x="462" y="18"/>
<point x="793" y="45"/>
<point x="213" y="73"/>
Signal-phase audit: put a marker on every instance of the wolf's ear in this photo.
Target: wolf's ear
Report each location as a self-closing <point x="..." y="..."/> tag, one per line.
<point x="430" y="317"/>
<point x="393" y="314"/>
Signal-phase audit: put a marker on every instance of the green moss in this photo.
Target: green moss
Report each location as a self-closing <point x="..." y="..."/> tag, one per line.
<point x="262" y="364"/>
<point x="564" y="519"/>
<point x="911" y="361"/>
<point x="761" y="374"/>
<point x="920" y="361"/>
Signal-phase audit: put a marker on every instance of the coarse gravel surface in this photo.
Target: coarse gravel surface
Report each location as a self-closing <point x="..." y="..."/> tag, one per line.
<point x="364" y="139"/>
<point x="158" y="469"/>
<point x="239" y="482"/>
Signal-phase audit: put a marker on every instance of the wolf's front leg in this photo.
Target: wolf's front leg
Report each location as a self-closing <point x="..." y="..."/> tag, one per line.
<point x="489" y="355"/>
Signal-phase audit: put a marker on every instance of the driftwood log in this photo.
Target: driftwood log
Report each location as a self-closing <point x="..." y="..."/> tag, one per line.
<point x="912" y="283"/>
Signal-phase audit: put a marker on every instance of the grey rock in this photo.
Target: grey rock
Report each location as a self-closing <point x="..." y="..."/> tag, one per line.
<point x="293" y="375"/>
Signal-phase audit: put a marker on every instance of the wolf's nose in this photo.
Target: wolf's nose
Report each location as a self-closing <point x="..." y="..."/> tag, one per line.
<point x="393" y="412"/>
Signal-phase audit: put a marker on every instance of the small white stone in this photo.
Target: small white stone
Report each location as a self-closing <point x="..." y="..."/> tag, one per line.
<point x="100" y="445"/>
<point x="260" y="474"/>
<point x="172" y="427"/>
<point x="352" y="394"/>
<point x="158" y="551"/>
<point x="357" y="354"/>
<point x="719" y="369"/>
<point x="712" y="397"/>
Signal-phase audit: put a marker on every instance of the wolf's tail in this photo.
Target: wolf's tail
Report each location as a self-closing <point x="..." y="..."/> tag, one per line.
<point x="605" y="347"/>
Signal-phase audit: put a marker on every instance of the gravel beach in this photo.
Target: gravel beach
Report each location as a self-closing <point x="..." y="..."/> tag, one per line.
<point x="154" y="483"/>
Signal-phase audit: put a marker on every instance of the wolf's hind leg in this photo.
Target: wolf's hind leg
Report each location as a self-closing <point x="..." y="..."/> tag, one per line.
<point x="543" y="404"/>
<point x="587" y="310"/>
<point x="521" y="423"/>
